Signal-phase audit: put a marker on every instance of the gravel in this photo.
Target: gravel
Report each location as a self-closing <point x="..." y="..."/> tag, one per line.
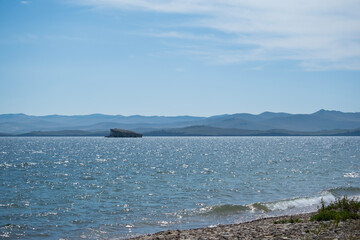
<point x="267" y="229"/>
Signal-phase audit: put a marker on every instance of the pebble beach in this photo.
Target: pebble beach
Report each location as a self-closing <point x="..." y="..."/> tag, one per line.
<point x="269" y="228"/>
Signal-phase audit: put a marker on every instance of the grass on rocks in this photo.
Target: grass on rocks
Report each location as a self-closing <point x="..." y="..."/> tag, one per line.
<point x="340" y="210"/>
<point x="290" y="220"/>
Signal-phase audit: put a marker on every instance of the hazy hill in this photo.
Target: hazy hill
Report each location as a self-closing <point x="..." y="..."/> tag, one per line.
<point x="67" y="133"/>
<point x="213" y="131"/>
<point x="21" y="123"/>
<point x="4" y="134"/>
<point x="200" y="131"/>
<point x="322" y="120"/>
<point x="318" y="121"/>
<point x="195" y="131"/>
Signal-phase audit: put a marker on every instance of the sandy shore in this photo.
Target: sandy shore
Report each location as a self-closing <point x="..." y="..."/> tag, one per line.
<point x="269" y="228"/>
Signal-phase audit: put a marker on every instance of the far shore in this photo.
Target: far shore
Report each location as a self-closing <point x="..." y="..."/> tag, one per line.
<point x="283" y="227"/>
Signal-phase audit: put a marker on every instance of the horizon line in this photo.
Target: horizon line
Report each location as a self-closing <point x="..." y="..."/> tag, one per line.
<point x="186" y="115"/>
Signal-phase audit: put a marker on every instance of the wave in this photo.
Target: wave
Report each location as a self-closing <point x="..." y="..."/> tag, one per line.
<point x="226" y="209"/>
<point x="293" y="205"/>
<point x="351" y="192"/>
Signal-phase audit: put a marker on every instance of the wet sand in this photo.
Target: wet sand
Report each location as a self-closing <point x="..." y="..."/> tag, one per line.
<point x="268" y="228"/>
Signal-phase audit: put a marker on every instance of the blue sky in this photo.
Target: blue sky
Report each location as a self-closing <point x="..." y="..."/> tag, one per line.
<point x="179" y="57"/>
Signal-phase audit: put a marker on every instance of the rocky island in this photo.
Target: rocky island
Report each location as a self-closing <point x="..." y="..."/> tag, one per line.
<point x="121" y="133"/>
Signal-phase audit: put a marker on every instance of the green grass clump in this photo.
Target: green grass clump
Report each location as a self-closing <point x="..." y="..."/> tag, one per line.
<point x="340" y="210"/>
<point x="291" y="220"/>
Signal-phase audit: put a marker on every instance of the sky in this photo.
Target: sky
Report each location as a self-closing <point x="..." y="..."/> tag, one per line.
<point x="179" y="57"/>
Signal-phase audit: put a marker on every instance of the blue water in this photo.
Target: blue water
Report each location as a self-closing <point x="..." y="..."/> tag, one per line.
<point x="106" y="188"/>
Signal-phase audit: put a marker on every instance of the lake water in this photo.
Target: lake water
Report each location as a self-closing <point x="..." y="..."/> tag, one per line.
<point x="107" y="188"/>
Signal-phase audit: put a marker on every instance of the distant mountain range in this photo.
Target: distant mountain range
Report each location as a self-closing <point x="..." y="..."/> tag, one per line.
<point x="322" y="122"/>
<point x="213" y="131"/>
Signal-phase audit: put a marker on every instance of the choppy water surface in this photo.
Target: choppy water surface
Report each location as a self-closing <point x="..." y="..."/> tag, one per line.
<point x="103" y="188"/>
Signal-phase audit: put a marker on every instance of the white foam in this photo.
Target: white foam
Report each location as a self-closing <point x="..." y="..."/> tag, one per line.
<point x="6" y="165"/>
<point x="101" y="160"/>
<point x="301" y="202"/>
<point x="163" y="223"/>
<point x="351" y="175"/>
<point x="37" y="152"/>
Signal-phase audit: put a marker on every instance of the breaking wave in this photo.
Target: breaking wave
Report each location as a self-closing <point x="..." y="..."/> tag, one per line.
<point x="293" y="205"/>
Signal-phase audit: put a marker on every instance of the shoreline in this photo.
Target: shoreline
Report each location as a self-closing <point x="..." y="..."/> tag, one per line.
<point x="296" y="226"/>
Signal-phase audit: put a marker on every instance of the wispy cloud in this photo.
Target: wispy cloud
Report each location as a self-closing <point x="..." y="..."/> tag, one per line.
<point x="182" y="35"/>
<point x="24" y="2"/>
<point x="319" y="34"/>
<point x="32" y="38"/>
<point x="28" y="38"/>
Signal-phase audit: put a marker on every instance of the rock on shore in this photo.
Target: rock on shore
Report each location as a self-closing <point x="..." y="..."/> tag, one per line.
<point x="269" y="228"/>
<point x="123" y="133"/>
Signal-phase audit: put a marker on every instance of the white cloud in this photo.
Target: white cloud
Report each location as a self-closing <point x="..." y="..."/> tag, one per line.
<point x="318" y="33"/>
<point x="182" y="35"/>
<point x="24" y="2"/>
